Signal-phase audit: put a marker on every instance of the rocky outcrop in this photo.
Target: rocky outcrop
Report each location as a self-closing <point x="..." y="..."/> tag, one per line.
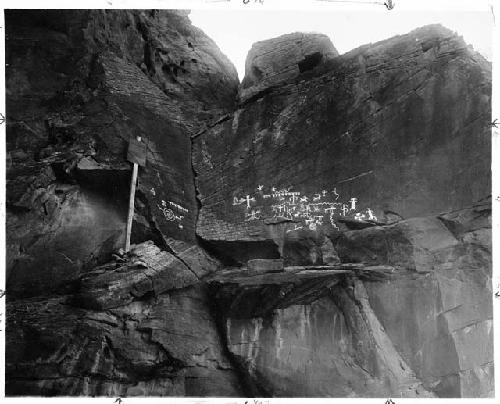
<point x="149" y="271"/>
<point x="279" y="60"/>
<point x="155" y="346"/>
<point x="80" y="84"/>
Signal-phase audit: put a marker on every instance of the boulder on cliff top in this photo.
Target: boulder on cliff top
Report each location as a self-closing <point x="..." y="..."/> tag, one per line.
<point x="278" y="60"/>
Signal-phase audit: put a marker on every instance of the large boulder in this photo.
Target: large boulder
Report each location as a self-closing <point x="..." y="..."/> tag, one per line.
<point x="275" y="61"/>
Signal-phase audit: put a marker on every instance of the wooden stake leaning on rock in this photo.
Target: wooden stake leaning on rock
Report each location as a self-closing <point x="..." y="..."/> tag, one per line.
<point x="137" y="155"/>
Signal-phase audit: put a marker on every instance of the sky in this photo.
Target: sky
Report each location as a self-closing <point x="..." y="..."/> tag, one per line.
<point x="236" y="30"/>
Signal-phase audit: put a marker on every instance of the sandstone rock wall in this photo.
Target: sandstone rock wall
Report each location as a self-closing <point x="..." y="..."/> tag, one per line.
<point x="79" y="85"/>
<point x="415" y="324"/>
<point x="402" y="125"/>
<point x="216" y="298"/>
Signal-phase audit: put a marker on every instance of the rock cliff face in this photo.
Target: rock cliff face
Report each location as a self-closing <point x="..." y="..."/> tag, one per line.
<point x="80" y="84"/>
<point x="401" y="125"/>
<point x="288" y="236"/>
<point x="407" y="323"/>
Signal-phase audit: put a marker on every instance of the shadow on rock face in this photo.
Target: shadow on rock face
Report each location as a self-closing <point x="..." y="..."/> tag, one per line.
<point x="82" y="229"/>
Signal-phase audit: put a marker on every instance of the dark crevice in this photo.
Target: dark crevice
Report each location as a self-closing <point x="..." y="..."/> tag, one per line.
<point x="153" y="233"/>
<point x="310" y="62"/>
<point x="249" y="386"/>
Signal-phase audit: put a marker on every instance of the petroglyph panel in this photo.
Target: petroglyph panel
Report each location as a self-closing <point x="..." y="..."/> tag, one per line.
<point x="308" y="211"/>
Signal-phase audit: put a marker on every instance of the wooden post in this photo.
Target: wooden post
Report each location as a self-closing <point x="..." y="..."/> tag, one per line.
<point x="130" y="217"/>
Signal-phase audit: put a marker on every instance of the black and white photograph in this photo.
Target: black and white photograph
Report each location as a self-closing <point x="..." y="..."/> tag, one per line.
<point x="229" y="199"/>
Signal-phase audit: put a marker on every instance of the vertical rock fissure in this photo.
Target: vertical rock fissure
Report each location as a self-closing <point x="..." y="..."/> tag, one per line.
<point x="250" y="387"/>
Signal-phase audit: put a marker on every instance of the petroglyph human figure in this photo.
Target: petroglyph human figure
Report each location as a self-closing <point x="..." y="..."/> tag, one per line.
<point x="248" y="199"/>
<point x="371" y="216"/>
<point x="353" y="203"/>
<point x="345" y="209"/>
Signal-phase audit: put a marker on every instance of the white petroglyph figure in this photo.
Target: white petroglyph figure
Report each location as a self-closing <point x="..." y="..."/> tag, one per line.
<point x="295" y="228"/>
<point x="238" y="201"/>
<point x="353" y="203"/>
<point x="248" y="200"/>
<point x="153" y="192"/>
<point x="332" y="222"/>
<point x="331" y="209"/>
<point x="313" y="209"/>
<point x="253" y="215"/>
<point x="176" y="205"/>
<point x="168" y="213"/>
<point x="371" y="216"/>
<point x="359" y="216"/>
<point x="319" y="220"/>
